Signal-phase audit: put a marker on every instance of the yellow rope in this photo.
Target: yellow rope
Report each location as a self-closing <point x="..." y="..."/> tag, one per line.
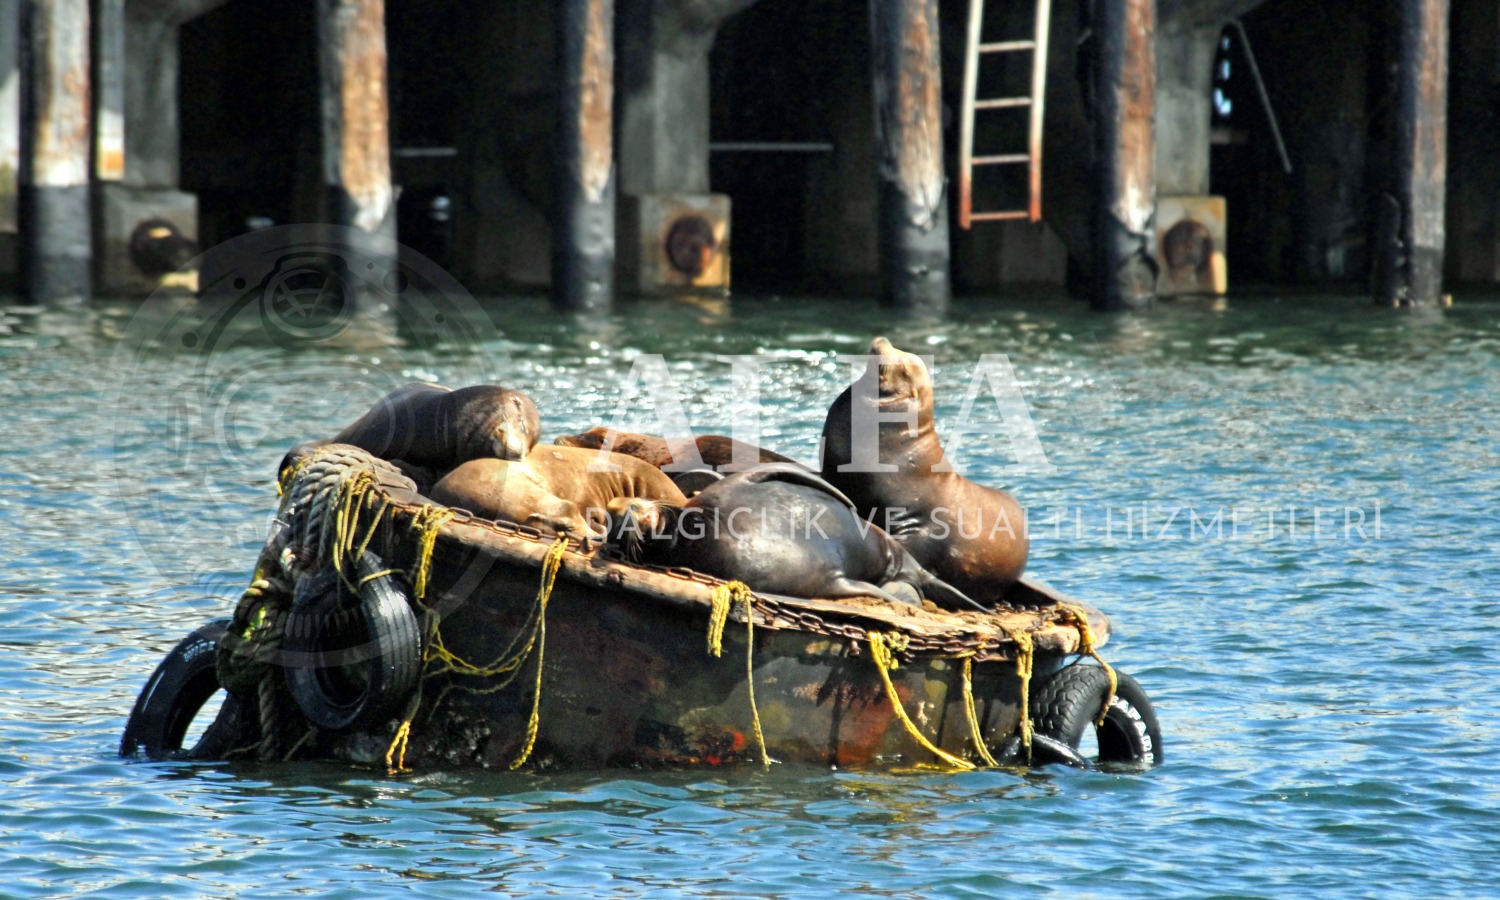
<point x="550" y="565"/>
<point x="884" y="662"/>
<point x="426" y="522"/>
<point x="1072" y="615"/>
<point x="1025" y="662"/>
<point x="398" y="745"/>
<point x="722" y="598"/>
<point x="979" y="745"/>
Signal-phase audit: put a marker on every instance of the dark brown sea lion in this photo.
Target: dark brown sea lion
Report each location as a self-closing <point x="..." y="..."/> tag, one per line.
<point x="781" y="530"/>
<point x="968" y="534"/>
<point x="557" y="488"/>
<point x="432" y="428"/>
<point x="714" y="450"/>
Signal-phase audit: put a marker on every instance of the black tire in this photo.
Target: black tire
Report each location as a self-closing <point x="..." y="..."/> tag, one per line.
<point x="352" y="661"/>
<point x="1067" y="703"/>
<point x="182" y="683"/>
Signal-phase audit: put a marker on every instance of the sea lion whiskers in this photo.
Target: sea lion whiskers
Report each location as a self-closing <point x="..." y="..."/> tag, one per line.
<point x="634" y="520"/>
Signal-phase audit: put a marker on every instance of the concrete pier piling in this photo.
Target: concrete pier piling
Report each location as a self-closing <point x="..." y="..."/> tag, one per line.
<point x="914" y="251"/>
<point x="356" y="114"/>
<point x="1410" y="228"/>
<point x="55" y="215"/>
<point x="1124" y="41"/>
<point x="583" y="172"/>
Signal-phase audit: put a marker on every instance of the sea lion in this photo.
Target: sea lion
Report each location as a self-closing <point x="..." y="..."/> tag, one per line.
<point x="553" y="487"/>
<point x="781" y="530"/>
<point x="970" y="535"/>
<point x="715" y="450"/>
<point x="430" y="428"/>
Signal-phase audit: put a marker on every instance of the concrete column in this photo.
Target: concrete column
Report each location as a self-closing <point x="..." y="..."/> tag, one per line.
<point x="109" y="90"/>
<point x="662" y="101"/>
<point x="1473" y="253"/>
<point x="1184" y="108"/>
<point x="54" y="189"/>
<point x="356" y="114"/>
<point x="583" y="204"/>
<point x="10" y="124"/>
<point x="1124" y="121"/>
<point x="1409" y="244"/>
<point x="914" y="248"/>
<point x="152" y="145"/>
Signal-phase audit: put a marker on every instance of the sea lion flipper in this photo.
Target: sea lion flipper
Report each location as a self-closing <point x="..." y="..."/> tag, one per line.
<point x="838" y="588"/>
<point x="949" y="597"/>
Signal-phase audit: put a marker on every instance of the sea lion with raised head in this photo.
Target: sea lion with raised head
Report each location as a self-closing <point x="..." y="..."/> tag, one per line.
<point x="781" y="530"/>
<point x="880" y="448"/>
<point x="561" y="489"/>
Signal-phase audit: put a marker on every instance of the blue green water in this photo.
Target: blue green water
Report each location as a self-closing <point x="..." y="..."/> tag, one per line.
<point x="1323" y="662"/>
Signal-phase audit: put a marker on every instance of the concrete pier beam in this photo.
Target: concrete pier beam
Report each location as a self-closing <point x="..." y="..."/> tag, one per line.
<point x="55" y="217"/>
<point x="583" y="174"/>
<point x="914" y="251"/>
<point x="355" y="114"/>
<point x="1409" y="221"/>
<point x="1125" y="269"/>
<point x="1184" y="107"/>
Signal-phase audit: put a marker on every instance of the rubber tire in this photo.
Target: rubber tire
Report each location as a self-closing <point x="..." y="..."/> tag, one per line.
<point x="379" y="633"/>
<point x="1068" y="702"/>
<point x="183" y="682"/>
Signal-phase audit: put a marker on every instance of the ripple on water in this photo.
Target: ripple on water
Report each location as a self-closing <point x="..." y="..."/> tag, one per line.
<point x="1324" y="688"/>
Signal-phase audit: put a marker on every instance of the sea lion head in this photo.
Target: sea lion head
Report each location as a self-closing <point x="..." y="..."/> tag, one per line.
<point x="494" y="421"/>
<point x="593" y="439"/>
<point x="633" y="521"/>
<point x="901" y="380"/>
<point x="518" y="428"/>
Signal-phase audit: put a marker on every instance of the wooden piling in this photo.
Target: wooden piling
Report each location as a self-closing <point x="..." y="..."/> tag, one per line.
<point x="1409" y="235"/>
<point x="356" y="114"/>
<point x="1124" y="123"/>
<point x="55" y="220"/>
<point x="914" y="252"/>
<point x="583" y="171"/>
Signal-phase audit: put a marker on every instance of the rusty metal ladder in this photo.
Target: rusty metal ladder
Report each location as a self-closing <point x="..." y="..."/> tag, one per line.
<point x="967" y="161"/>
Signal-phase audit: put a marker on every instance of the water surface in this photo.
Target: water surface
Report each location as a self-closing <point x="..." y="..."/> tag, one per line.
<point x="1322" y="659"/>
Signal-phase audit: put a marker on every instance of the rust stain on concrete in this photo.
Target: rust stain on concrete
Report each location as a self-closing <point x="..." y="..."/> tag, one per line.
<point x="60" y="155"/>
<point x="597" y="97"/>
<point x="1136" y="174"/>
<point x="364" y="146"/>
<point x="920" y="153"/>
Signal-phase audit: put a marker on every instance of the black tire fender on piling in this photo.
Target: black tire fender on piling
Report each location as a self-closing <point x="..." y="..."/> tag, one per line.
<point x="183" y="682"/>
<point x="352" y="662"/>
<point x="1068" y="703"/>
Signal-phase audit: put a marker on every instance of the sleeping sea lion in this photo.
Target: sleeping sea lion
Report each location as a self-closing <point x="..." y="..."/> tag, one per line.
<point x="968" y="534"/>
<point x="553" y="488"/>
<point x="781" y="530"/>
<point x="715" y="450"/>
<point x="428" y="429"/>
